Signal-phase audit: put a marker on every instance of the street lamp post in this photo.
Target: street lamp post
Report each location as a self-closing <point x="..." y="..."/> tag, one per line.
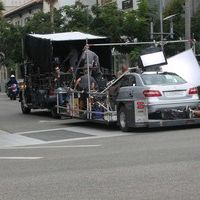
<point x="161" y="23"/>
<point x="162" y="33"/>
<point x="187" y="23"/>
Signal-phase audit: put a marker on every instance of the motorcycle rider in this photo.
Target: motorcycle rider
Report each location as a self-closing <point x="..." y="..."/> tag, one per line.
<point x="11" y="82"/>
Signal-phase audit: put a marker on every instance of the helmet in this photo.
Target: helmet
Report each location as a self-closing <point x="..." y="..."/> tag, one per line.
<point x="12" y="76"/>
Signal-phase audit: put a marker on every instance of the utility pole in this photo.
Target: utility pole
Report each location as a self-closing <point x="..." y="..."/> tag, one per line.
<point x="187" y="23"/>
<point x="161" y="24"/>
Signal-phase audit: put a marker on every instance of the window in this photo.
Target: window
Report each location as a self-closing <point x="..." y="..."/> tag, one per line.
<point x="128" y="80"/>
<point x="162" y="79"/>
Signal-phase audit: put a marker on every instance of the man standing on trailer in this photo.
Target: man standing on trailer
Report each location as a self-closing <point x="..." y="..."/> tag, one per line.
<point x="92" y="59"/>
<point x="72" y="57"/>
<point x="83" y="85"/>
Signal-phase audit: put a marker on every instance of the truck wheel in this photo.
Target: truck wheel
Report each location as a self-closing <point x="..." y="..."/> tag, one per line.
<point x="54" y="113"/>
<point x="25" y="110"/>
<point x="122" y="119"/>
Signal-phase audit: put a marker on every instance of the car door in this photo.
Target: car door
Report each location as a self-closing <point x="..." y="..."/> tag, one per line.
<point x="126" y="92"/>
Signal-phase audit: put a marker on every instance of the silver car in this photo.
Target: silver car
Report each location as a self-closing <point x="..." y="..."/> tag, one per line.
<point x="163" y="92"/>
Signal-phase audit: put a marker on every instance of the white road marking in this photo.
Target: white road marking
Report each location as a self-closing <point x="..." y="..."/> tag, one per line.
<point x="54" y="147"/>
<point x="40" y="131"/>
<point x="48" y="121"/>
<point x="19" y="139"/>
<point x="8" y="140"/>
<point x="20" y="158"/>
<point x="4" y="132"/>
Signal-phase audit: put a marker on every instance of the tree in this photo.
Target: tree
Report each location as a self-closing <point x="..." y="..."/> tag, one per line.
<point x="1" y="8"/>
<point x="10" y="45"/>
<point x="196" y="28"/>
<point x="51" y="8"/>
<point x="40" y="23"/>
<point x="77" y="17"/>
<point x="196" y="25"/>
<point x="137" y="21"/>
<point x="177" y="7"/>
<point x="136" y="27"/>
<point x="108" y="21"/>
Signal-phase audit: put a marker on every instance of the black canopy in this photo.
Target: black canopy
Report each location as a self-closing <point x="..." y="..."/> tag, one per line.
<point x="42" y="49"/>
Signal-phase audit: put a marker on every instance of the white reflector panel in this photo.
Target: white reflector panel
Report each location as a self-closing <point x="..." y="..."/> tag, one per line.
<point x="151" y="59"/>
<point x="185" y="65"/>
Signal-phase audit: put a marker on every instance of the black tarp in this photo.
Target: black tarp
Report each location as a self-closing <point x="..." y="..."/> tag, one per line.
<point x="41" y="52"/>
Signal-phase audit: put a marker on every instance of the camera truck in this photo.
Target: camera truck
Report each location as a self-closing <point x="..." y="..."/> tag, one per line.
<point x="43" y="54"/>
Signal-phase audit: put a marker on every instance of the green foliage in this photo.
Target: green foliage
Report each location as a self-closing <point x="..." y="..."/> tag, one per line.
<point x="143" y="9"/>
<point x="108" y="21"/>
<point x="40" y="23"/>
<point x="134" y="55"/>
<point x="78" y="18"/>
<point x="10" y="45"/>
<point x="1" y="8"/>
<point x="196" y="28"/>
<point x="176" y="7"/>
<point x="105" y="20"/>
<point x="196" y="24"/>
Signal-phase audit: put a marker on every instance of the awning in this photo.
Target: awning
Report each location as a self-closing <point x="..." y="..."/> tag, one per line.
<point x="67" y="36"/>
<point x="41" y="49"/>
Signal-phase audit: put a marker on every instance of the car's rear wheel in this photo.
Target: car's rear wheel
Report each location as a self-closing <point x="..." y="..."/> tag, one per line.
<point x="25" y="109"/>
<point x="122" y="119"/>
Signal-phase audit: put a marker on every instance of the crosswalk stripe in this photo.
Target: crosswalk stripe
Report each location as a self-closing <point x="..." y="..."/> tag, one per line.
<point x="20" y="158"/>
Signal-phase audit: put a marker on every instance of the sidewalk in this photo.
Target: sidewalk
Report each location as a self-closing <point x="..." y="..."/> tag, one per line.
<point x="10" y="140"/>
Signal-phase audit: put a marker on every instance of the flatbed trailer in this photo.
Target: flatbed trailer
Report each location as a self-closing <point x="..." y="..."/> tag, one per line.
<point x="137" y="115"/>
<point x="101" y="109"/>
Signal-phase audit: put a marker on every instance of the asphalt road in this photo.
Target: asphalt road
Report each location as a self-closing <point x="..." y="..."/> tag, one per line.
<point x="46" y="159"/>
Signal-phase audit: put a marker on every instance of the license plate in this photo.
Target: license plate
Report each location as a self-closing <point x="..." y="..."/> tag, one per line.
<point x="175" y="94"/>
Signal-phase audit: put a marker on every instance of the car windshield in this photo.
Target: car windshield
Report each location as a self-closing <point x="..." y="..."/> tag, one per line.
<point x="162" y="79"/>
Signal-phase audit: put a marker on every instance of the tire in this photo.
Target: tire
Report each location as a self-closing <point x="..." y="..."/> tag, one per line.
<point x="25" y="110"/>
<point x="54" y="113"/>
<point x="122" y="119"/>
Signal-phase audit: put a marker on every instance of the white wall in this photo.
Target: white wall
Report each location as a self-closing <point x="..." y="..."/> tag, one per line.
<point x="11" y="4"/>
<point x="58" y="4"/>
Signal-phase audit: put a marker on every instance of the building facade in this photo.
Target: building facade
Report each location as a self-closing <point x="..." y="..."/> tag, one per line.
<point x="121" y="4"/>
<point x="21" y="14"/>
<point x="13" y="4"/>
<point x="19" y="11"/>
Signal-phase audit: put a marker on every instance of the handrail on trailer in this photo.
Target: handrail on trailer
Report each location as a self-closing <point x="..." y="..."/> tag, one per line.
<point x="70" y="91"/>
<point x="142" y="43"/>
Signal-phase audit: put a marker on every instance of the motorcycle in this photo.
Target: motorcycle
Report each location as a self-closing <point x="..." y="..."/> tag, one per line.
<point x="13" y="91"/>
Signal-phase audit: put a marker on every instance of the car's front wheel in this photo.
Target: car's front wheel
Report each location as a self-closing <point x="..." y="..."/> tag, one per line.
<point x="122" y="119"/>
